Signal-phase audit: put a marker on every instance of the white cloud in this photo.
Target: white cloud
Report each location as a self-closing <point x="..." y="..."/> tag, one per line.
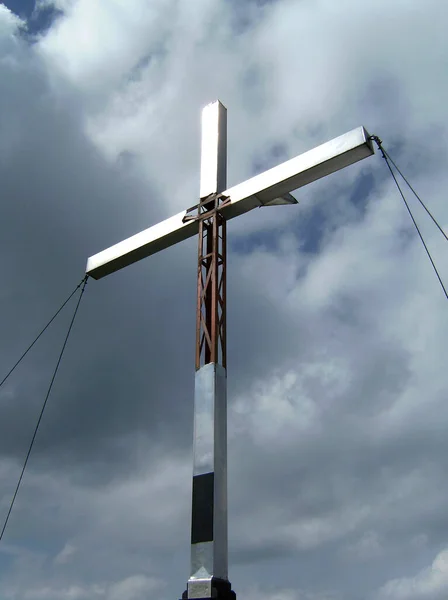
<point x="137" y="587"/>
<point x="96" y="44"/>
<point x="121" y="518"/>
<point x="286" y="594"/>
<point x="9" y="22"/>
<point x="337" y="408"/>
<point x="430" y="584"/>
<point x="65" y="554"/>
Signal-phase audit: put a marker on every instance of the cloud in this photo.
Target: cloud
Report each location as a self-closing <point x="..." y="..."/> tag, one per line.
<point x="91" y="45"/>
<point x="91" y="525"/>
<point x="431" y="582"/>
<point x="337" y="327"/>
<point x="65" y="554"/>
<point x="287" y="594"/>
<point x="136" y="587"/>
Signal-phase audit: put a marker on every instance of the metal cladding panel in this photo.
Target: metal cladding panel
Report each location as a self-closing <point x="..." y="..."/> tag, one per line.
<point x="213" y="149"/>
<point x="204" y="416"/>
<point x="210" y="457"/>
<point x="220" y="500"/>
<point x="290" y="175"/>
<point x="200" y="587"/>
<point x="143" y="244"/>
<point x="201" y="561"/>
<point x="323" y="160"/>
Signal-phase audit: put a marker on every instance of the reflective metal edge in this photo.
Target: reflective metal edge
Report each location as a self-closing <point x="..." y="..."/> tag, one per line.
<point x="323" y="160"/>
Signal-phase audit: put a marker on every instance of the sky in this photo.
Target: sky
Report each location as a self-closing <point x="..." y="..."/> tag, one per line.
<point x="337" y="326"/>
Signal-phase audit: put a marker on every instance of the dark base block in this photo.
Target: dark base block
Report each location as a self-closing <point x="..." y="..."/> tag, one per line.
<point x="221" y="590"/>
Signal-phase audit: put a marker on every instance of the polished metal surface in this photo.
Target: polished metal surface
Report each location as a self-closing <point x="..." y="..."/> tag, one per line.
<point x="213" y="149"/>
<point x="209" y="498"/>
<point x="204" y="416"/>
<point x="220" y="509"/>
<point x="257" y="191"/>
<point x="200" y="588"/>
<point x="202" y="561"/>
<point x="299" y="171"/>
<point x="150" y="241"/>
<point x="210" y="455"/>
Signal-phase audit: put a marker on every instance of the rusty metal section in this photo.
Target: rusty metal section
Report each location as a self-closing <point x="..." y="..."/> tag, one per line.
<point x="211" y="289"/>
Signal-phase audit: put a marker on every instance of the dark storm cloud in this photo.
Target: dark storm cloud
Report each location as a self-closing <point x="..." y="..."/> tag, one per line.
<point x="335" y="474"/>
<point x="129" y="364"/>
<point x="62" y="202"/>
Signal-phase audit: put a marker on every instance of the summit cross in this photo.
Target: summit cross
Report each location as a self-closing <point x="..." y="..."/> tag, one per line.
<point x="217" y="204"/>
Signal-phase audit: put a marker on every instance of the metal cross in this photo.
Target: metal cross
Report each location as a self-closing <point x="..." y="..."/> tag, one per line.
<point x="209" y="563"/>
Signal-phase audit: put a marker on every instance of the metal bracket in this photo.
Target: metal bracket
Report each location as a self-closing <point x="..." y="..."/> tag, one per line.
<point x="207" y="207"/>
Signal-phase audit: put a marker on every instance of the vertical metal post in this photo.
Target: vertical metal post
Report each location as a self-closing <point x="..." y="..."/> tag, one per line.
<point x="209" y="555"/>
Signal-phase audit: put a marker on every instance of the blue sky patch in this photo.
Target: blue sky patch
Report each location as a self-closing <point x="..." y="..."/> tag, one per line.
<point x="38" y="21"/>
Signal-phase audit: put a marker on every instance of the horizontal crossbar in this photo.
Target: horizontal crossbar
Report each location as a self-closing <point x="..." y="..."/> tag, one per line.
<point x="258" y="191"/>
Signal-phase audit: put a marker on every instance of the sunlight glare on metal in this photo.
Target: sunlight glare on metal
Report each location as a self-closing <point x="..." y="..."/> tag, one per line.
<point x="260" y="190"/>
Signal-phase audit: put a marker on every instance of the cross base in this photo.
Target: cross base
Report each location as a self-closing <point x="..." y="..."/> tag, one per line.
<point x="221" y="590"/>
